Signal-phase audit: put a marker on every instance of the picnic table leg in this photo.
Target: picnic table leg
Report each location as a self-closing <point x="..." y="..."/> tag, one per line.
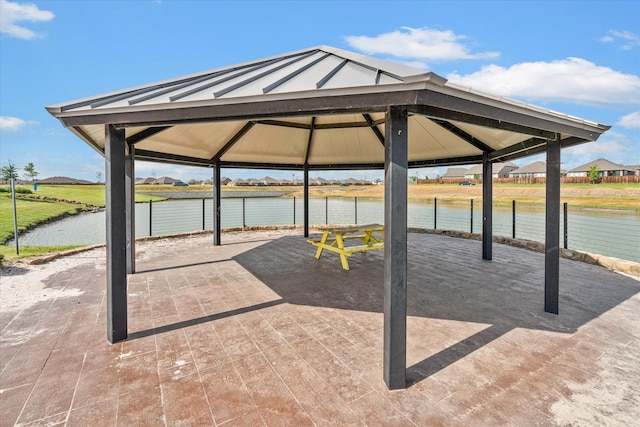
<point x="343" y="256"/>
<point x="325" y="236"/>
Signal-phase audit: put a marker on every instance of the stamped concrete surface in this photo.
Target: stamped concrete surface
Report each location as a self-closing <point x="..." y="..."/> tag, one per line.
<point x="259" y="332"/>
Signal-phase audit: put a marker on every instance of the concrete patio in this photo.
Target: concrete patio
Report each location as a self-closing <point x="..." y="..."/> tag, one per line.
<point x="258" y="332"/>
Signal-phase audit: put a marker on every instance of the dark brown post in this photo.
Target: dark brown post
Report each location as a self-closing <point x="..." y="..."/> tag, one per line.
<point x="116" y="215"/>
<point x="395" y="248"/>
<point x="552" y="226"/>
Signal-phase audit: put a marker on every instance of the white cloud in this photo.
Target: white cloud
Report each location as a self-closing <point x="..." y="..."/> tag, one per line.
<point x="613" y="146"/>
<point x="628" y="39"/>
<point x="12" y="13"/>
<point x="572" y="80"/>
<point x="418" y="44"/>
<point x="630" y="121"/>
<point x="11" y="124"/>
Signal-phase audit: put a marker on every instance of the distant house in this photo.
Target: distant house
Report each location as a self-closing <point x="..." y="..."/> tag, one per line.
<point x="285" y="181"/>
<point x="223" y="181"/>
<point x="454" y="174"/>
<point x="318" y="181"/>
<point x="605" y="168"/>
<point x="164" y="180"/>
<point x="532" y="170"/>
<point x="194" y="182"/>
<point x="499" y="170"/>
<point x="149" y="180"/>
<point x="239" y="182"/>
<point x="267" y="180"/>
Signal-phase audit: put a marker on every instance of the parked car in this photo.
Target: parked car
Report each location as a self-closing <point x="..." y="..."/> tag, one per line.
<point x="467" y="183"/>
<point x="180" y="184"/>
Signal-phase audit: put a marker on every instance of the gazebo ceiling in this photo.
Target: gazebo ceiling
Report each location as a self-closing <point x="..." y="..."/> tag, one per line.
<point x="323" y="107"/>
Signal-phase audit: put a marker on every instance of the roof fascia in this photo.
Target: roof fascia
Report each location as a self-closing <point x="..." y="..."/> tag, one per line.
<point x="449" y="97"/>
<point x="232" y="109"/>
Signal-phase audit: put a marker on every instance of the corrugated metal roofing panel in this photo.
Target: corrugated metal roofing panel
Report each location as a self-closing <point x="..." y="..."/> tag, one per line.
<point x="204" y="112"/>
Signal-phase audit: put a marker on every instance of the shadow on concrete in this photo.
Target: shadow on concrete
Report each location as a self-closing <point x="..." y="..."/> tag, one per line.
<point x="202" y="319"/>
<point x="175" y="267"/>
<point x="447" y="279"/>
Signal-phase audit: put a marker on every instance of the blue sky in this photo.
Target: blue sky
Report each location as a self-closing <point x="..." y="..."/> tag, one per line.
<point x="577" y="57"/>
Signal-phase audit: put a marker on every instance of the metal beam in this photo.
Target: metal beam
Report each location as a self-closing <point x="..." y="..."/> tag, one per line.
<point x="156" y="156"/>
<point x="217" y="223"/>
<point x="116" y="234"/>
<point x="487" y="208"/>
<point x="343" y="125"/>
<point x="235" y="138"/>
<point x="374" y="128"/>
<point x="130" y="205"/>
<point x="552" y="227"/>
<point x="395" y="248"/>
<point x="147" y="133"/>
<point x="451" y="161"/>
<point x="463" y="135"/>
<point x="484" y="119"/>
<point x="522" y="149"/>
<point x="307" y="153"/>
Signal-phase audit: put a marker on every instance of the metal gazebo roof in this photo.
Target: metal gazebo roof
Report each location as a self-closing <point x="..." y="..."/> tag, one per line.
<point x="322" y="107"/>
<point x="318" y="108"/>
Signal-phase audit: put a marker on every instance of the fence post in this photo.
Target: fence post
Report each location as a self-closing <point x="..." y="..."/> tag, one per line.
<point x="435" y="213"/>
<point x="471" y="215"/>
<point x="566" y="222"/>
<point x="326" y="210"/>
<point x="244" y="222"/>
<point x="15" y="215"/>
<point x="202" y="214"/>
<point x="356" y="209"/>
<point x="513" y="218"/>
<point x="294" y="211"/>
<point x="150" y="217"/>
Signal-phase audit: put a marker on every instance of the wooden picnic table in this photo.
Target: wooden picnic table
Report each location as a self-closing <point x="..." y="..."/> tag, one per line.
<point x="333" y="239"/>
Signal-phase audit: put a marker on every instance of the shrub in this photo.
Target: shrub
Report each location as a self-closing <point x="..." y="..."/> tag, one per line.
<point x="19" y="190"/>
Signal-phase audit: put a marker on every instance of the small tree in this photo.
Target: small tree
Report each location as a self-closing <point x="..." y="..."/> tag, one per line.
<point x="9" y="172"/>
<point x="30" y="172"/>
<point x="413" y="179"/>
<point x="594" y="175"/>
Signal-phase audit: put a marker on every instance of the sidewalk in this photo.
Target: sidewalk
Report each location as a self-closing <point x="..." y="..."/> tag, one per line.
<point x="259" y="332"/>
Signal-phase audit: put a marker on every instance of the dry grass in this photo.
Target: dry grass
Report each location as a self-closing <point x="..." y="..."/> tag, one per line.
<point x="608" y="196"/>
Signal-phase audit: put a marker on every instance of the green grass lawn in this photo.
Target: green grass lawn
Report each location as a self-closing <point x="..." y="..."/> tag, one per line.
<point x="93" y="195"/>
<point x="30" y="212"/>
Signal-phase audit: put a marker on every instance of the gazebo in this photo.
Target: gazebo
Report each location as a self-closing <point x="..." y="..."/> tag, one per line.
<point x="317" y="109"/>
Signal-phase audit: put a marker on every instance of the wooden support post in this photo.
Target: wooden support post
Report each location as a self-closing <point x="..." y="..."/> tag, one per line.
<point x="217" y="228"/>
<point x="116" y="216"/>
<point x="395" y="248"/>
<point x="552" y="226"/>
<point x="487" y="208"/>
<point x="130" y="188"/>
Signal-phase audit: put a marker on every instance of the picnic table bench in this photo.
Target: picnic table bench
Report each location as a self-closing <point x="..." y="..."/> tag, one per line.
<point x="333" y="239"/>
